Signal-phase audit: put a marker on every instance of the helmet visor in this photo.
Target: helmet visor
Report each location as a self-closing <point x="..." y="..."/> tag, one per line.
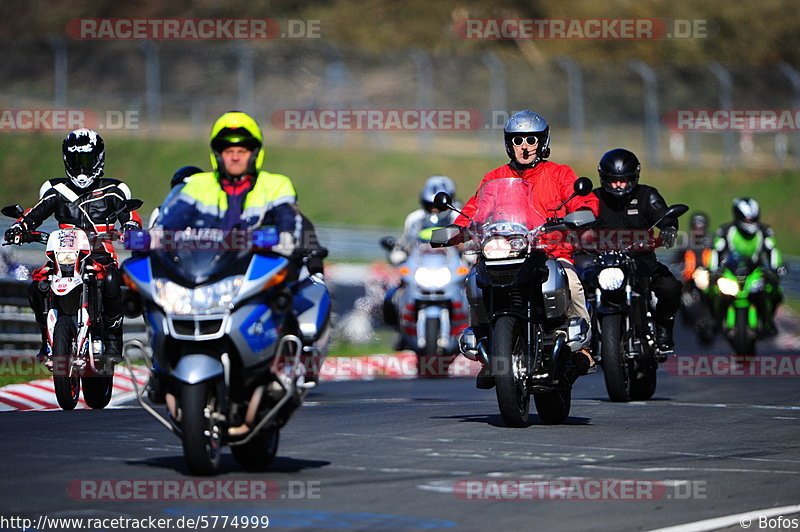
<point x="81" y="162"/>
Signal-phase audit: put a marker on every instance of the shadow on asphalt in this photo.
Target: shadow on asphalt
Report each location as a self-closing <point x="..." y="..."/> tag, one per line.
<point x="496" y="420"/>
<point x="281" y="464"/>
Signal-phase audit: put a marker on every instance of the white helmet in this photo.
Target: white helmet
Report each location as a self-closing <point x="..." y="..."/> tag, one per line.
<point x="433" y="185"/>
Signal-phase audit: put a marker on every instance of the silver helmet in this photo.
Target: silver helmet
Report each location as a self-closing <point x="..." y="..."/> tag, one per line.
<point x="528" y="123"/>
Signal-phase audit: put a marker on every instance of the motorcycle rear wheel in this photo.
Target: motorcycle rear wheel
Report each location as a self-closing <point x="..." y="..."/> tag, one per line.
<point x="259" y="452"/>
<point x="553" y="408"/>
<point x="66" y="382"/>
<point x="97" y="390"/>
<point x="644" y="387"/>
<point x="201" y="449"/>
<point x="508" y="351"/>
<point x="615" y="364"/>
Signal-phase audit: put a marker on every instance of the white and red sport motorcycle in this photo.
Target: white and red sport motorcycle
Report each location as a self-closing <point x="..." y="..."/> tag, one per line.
<point x="73" y="312"/>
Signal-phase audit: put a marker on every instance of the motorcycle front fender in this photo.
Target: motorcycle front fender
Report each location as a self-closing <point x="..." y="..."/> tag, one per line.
<point x="192" y="369"/>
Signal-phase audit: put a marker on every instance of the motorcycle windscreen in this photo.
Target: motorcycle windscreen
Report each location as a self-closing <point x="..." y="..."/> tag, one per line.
<point x="739" y="265"/>
<point x="194" y="267"/>
<point x="507" y="201"/>
<point x="192" y="253"/>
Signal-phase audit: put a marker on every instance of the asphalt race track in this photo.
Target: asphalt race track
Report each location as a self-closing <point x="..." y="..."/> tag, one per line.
<point x="434" y="454"/>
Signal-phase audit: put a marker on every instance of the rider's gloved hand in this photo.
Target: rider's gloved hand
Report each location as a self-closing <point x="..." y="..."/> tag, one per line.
<point x="668" y="236"/>
<point x="13" y="232"/>
<point x="131" y="226"/>
<point x="285" y="245"/>
<point x="397" y="256"/>
<point x="781" y="271"/>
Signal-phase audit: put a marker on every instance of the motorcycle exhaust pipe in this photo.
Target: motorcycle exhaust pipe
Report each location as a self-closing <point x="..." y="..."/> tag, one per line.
<point x="483" y="356"/>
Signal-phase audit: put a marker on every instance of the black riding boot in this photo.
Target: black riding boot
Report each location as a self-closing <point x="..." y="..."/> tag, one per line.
<point x="113" y="337"/>
<point x="664" y="341"/>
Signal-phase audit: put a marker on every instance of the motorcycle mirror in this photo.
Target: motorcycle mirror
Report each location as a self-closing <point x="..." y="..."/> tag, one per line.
<point x="133" y="204"/>
<point x="446" y="236"/>
<point x="13" y="211"/>
<point x="583" y="186"/>
<point x="674" y="211"/>
<point x="387" y="243"/>
<point x="679" y="209"/>
<point x="442" y="201"/>
<point x="130" y="205"/>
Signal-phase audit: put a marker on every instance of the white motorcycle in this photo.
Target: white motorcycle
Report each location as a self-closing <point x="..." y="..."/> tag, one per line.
<point x="73" y="313"/>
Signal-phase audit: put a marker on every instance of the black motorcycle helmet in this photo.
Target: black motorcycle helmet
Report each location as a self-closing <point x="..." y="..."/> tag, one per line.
<point x="746" y="213"/>
<point x="182" y="174"/>
<point x="615" y="164"/>
<point x="84" y="154"/>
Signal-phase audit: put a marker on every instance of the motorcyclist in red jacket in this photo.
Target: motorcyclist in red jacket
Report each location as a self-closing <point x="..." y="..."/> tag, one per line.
<point x="527" y="143"/>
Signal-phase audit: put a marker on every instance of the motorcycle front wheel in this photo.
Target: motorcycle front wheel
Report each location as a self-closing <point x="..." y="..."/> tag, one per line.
<point x="508" y="369"/>
<point x="201" y="432"/>
<point x="430" y="363"/>
<point x="615" y="364"/>
<point x="744" y="342"/>
<point x="66" y="382"/>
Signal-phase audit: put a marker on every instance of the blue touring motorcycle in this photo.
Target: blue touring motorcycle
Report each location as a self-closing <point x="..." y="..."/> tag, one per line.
<point x="238" y="338"/>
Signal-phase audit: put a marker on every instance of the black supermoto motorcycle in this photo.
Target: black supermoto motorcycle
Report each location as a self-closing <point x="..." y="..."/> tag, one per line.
<point x="529" y="350"/>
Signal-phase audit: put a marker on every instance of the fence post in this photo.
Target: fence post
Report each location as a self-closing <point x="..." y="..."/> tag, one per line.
<point x="246" y="77"/>
<point x="60" y="71"/>
<point x="577" y="117"/>
<point x="497" y="97"/>
<point x="650" y="110"/>
<point x="153" y="85"/>
<point x="424" y="67"/>
<point x="725" y="104"/>
<point x="794" y="78"/>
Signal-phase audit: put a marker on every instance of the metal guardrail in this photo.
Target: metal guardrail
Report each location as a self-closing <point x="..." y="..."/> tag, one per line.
<point x="19" y="333"/>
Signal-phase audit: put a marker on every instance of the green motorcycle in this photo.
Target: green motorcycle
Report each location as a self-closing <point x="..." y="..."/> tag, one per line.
<point x="740" y="297"/>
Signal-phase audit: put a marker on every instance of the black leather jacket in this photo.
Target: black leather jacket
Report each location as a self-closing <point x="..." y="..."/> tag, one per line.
<point x="638" y="210"/>
<point x="88" y="208"/>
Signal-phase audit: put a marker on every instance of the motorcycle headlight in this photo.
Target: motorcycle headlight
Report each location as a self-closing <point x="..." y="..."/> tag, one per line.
<point x="729" y="287"/>
<point x="611" y="278"/>
<point x="211" y="299"/>
<point x="432" y="277"/>
<point x="701" y="278"/>
<point x="757" y="285"/>
<point x="67" y="258"/>
<point x="503" y="248"/>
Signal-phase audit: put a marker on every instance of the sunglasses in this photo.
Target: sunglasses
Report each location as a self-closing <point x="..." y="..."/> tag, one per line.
<point x="517" y="141"/>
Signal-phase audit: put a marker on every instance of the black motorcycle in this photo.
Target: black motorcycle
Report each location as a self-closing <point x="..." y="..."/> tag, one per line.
<point x="529" y="348"/>
<point x="623" y="323"/>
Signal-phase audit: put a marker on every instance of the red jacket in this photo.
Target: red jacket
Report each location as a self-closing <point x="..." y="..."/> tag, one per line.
<point x="552" y="184"/>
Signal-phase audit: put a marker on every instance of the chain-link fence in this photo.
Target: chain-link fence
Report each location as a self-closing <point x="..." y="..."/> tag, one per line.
<point x="177" y="88"/>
